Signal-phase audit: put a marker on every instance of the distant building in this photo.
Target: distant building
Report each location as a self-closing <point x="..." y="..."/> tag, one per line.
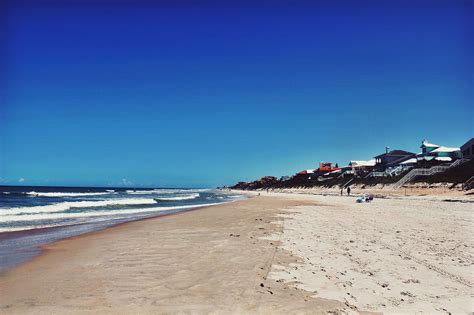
<point x="392" y="158"/>
<point x="305" y="172"/>
<point x="363" y="164"/>
<point x="431" y="151"/>
<point x="467" y="149"/>
<point x="427" y="147"/>
<point x="327" y="167"/>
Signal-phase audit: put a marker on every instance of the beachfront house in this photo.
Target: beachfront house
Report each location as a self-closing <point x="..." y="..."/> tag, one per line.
<point x="327" y="167"/>
<point x="362" y="164"/>
<point x="360" y="167"/>
<point x="392" y="158"/>
<point x="305" y="172"/>
<point x="467" y="149"/>
<point x="430" y="151"/>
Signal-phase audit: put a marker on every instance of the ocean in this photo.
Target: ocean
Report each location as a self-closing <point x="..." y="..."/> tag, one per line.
<point x="34" y="216"/>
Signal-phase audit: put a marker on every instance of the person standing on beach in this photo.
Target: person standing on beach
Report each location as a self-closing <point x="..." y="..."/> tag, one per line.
<point x="348" y="190"/>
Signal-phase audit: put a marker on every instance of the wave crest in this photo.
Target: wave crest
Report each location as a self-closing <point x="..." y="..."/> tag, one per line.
<point x="63" y="206"/>
<point x="184" y="197"/>
<point x="112" y="214"/>
<point x="65" y="194"/>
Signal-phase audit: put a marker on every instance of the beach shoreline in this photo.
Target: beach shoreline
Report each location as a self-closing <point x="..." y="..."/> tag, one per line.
<point x="252" y="256"/>
<point x="37" y="250"/>
<point x="20" y="244"/>
<point x="218" y="282"/>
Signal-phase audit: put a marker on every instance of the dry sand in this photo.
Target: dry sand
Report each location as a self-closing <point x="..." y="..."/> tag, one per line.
<point x="281" y="253"/>
<point x="407" y="255"/>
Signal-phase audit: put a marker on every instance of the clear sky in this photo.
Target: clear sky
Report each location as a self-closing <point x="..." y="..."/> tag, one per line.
<point x="140" y="93"/>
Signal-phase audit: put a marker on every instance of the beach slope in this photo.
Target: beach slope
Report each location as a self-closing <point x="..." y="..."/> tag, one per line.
<point x="211" y="260"/>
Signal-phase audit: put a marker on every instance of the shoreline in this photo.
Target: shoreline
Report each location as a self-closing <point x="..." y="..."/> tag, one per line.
<point x="222" y="266"/>
<point x="259" y="255"/>
<point x="37" y="250"/>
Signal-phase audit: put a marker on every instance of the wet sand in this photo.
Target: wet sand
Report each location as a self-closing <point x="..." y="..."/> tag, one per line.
<point x="210" y="260"/>
<point x="274" y="253"/>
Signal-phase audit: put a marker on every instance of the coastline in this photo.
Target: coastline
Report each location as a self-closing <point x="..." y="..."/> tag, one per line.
<point x="258" y="256"/>
<point x="53" y="234"/>
<point x="199" y="261"/>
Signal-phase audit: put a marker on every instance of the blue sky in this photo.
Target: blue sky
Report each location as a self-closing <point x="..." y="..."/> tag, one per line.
<point x="148" y="94"/>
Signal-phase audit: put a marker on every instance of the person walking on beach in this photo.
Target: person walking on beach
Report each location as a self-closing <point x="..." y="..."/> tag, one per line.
<point x="348" y="190"/>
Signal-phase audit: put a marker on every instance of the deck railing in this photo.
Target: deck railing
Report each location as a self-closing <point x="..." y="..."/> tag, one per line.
<point x="468" y="184"/>
<point x="419" y="172"/>
<point x="426" y="172"/>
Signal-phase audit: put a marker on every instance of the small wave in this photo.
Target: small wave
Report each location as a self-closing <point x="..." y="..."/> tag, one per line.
<point x="185" y="197"/>
<point x="114" y="214"/>
<point x="63" y="206"/>
<point x="140" y="192"/>
<point x="65" y="194"/>
<point x="154" y="191"/>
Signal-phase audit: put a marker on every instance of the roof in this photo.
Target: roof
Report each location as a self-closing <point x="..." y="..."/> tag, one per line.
<point x="445" y="149"/>
<point x="356" y="163"/>
<point x="410" y="161"/>
<point x="443" y="158"/>
<point x="396" y="153"/>
<point x="333" y="172"/>
<point x="306" y="172"/>
<point x="427" y="144"/>
<point x="468" y="142"/>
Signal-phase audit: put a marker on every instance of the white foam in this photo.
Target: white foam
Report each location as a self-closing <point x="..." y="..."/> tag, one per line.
<point x="121" y="212"/>
<point x="140" y="192"/>
<point x="65" y="194"/>
<point x="63" y="206"/>
<point x="164" y="191"/>
<point x="185" y="197"/>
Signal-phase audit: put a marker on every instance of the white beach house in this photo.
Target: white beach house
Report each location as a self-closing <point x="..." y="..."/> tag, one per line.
<point x="430" y="151"/>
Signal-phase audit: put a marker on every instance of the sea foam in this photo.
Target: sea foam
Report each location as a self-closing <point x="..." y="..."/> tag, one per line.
<point x="183" y="197"/>
<point x="113" y="214"/>
<point x="65" y="194"/>
<point x="63" y="206"/>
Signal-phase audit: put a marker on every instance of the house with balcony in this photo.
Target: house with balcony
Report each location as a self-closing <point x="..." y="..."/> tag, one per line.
<point x="430" y="151"/>
<point x="392" y="159"/>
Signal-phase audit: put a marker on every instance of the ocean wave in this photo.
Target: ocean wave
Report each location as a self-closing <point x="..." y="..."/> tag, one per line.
<point x="182" y="197"/>
<point x="63" y="206"/>
<point x="65" y="194"/>
<point x="165" y="191"/>
<point x="140" y="192"/>
<point x="114" y="214"/>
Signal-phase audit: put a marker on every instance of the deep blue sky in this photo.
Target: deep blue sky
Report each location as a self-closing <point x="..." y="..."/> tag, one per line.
<point x="208" y="94"/>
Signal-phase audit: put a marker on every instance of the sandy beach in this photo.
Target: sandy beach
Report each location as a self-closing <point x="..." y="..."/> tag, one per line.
<point x="273" y="253"/>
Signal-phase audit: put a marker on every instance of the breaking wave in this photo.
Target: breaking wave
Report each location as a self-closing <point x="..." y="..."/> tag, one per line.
<point x="66" y="194"/>
<point x="185" y="197"/>
<point x="63" y="206"/>
<point x="85" y="214"/>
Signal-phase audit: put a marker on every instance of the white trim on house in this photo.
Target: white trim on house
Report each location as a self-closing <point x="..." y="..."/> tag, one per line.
<point x="445" y="149"/>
